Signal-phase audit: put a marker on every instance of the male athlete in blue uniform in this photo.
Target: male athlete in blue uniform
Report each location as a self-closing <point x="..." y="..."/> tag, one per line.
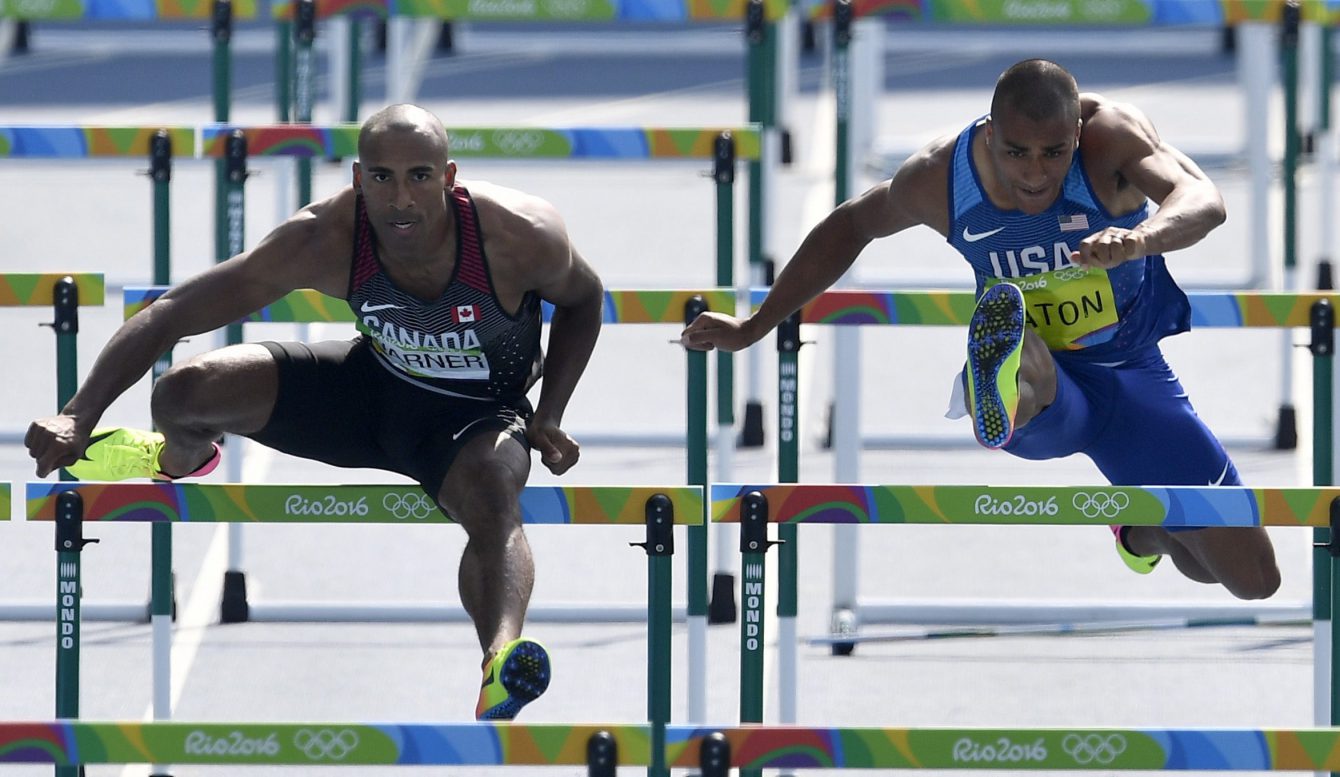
<point x="1047" y="199"/>
<point x="445" y="282"/>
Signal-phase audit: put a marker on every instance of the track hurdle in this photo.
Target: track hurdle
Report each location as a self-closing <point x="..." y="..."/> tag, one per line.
<point x="755" y="506"/>
<point x="711" y="752"/>
<point x="620" y="307"/>
<point x="724" y="147"/>
<point x="1246" y="309"/>
<point x="71" y="505"/>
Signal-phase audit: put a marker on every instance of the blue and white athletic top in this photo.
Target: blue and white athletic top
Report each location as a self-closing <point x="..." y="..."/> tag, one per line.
<point x="1093" y="315"/>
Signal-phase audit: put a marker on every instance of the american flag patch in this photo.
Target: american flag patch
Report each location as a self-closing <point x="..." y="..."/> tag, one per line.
<point x="1074" y="223"/>
<point x="466" y="314"/>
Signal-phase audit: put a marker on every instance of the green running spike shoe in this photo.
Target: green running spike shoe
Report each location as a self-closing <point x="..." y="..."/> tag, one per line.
<point x="516" y="676"/>
<point x="1141" y="565"/>
<point x="995" y="343"/>
<point x="118" y="453"/>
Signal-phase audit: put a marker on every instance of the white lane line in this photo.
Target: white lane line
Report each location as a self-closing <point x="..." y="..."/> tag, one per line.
<point x="206" y="593"/>
<point x="192" y="620"/>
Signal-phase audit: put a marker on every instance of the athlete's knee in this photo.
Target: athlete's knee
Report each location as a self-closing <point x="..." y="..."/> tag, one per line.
<point x="178" y="391"/>
<point x="1258" y="581"/>
<point x="484" y="497"/>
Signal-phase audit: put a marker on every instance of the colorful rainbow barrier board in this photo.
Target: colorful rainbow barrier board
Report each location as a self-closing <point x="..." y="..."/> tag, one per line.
<point x="65" y="141"/>
<point x="954" y="308"/>
<point x="542" y="10"/>
<point x="1037" y="505"/>
<point x="622" y="306"/>
<point x="68" y="743"/>
<point x="382" y="503"/>
<point x="121" y="10"/>
<point x="27" y="289"/>
<point x="5" y="505"/>
<point x="1109" y="13"/>
<point x="341" y="140"/>
<point x="51" y="141"/>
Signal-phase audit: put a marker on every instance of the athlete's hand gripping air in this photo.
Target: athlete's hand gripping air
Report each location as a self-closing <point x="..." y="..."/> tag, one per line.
<point x="55" y="441"/>
<point x="717" y="330"/>
<point x="558" y="451"/>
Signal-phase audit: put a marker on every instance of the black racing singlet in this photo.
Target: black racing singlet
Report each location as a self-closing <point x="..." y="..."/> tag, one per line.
<point x="461" y="344"/>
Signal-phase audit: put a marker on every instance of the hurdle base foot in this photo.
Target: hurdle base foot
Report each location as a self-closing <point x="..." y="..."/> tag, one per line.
<point x="234" y="608"/>
<point x="751" y="435"/>
<point x="1286" y="432"/>
<point x="845" y="623"/>
<point x="722" y="607"/>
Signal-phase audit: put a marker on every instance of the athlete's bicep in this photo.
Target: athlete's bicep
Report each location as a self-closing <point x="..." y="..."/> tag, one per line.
<point x="907" y="199"/>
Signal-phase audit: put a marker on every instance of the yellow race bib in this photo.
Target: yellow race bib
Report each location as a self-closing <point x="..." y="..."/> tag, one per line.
<point x="1070" y="308"/>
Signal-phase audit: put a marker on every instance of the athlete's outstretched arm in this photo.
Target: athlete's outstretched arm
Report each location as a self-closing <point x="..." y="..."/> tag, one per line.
<point x="829" y="250"/>
<point x="1190" y="205"/>
<point x="288" y="258"/>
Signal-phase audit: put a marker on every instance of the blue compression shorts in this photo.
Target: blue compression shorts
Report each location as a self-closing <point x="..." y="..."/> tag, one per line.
<point x="1133" y="420"/>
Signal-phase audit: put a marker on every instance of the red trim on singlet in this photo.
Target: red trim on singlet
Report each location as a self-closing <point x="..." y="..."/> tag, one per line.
<point x="470" y="268"/>
<point x="365" y="258"/>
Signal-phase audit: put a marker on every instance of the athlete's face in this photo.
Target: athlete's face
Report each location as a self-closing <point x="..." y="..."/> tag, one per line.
<point x="403" y="175"/>
<point x="1030" y="159"/>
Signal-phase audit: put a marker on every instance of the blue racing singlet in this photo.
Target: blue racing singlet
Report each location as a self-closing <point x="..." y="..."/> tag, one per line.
<point x="1093" y="315"/>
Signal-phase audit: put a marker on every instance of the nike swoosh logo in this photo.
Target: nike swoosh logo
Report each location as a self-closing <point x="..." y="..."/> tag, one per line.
<point x="461" y="431"/>
<point x="372" y="308"/>
<point x="1222" y="476"/>
<point x="974" y="237"/>
<point x="94" y="440"/>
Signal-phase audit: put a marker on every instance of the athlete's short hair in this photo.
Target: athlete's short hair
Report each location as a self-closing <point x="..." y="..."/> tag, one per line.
<point x="403" y="116"/>
<point x="1038" y="90"/>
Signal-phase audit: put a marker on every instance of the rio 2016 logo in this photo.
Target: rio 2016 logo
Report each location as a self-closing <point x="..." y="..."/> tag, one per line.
<point x="1003" y="750"/>
<point x="987" y="504"/>
<point x="233" y="743"/>
<point x="297" y="504"/>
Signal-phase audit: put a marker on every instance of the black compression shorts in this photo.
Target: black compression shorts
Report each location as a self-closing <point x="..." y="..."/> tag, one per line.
<point x="337" y="405"/>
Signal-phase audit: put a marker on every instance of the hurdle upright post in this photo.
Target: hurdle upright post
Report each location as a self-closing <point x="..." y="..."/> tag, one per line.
<point x="1321" y="316"/>
<point x="660" y="547"/>
<point x="231" y="238"/>
<point x="65" y="306"/>
<point x="696" y="461"/>
<point x="304" y="85"/>
<point x="160" y="534"/>
<point x="844" y="428"/>
<point x="1286" y="435"/>
<point x="753" y="565"/>
<point x="788" y="471"/>
<point x="602" y="755"/>
<point x="69" y="544"/>
<point x="221" y="29"/>
<point x="721" y="608"/>
<point x="761" y="36"/>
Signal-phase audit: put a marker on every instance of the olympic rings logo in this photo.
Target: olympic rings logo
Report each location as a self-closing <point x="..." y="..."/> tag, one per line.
<point x="1094" y="748"/>
<point x="325" y="744"/>
<point x="518" y="142"/>
<point x="1101" y="504"/>
<point x="408" y="505"/>
<point x="1071" y="273"/>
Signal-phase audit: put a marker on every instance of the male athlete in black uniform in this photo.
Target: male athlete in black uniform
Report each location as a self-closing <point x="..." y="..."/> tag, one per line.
<point x="445" y="281"/>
